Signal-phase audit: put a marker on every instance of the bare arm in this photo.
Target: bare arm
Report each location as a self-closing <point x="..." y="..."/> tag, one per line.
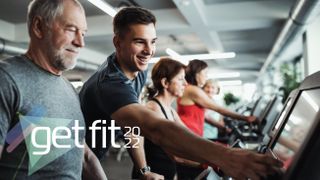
<point x="92" y="168"/>
<point x="137" y="152"/>
<point x="159" y="130"/>
<point x="199" y="97"/>
<point x="214" y="122"/>
<point x="138" y="156"/>
<point x="185" y="162"/>
<point x="289" y="143"/>
<point x="155" y="107"/>
<point x="178" y="140"/>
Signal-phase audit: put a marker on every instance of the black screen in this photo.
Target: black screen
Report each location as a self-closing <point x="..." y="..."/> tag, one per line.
<point x="299" y="122"/>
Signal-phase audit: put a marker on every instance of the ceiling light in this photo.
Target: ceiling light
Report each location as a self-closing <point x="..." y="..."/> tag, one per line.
<point x="105" y="7"/>
<point x="210" y="56"/>
<point x="178" y="56"/>
<point x="186" y="58"/>
<point x="173" y="54"/>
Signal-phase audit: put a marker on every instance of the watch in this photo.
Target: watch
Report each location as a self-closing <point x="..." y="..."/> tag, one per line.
<point x="144" y="170"/>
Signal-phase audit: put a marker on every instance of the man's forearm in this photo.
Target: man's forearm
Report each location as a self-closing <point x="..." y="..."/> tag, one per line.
<point x="137" y="154"/>
<point x="194" y="147"/>
<point x="92" y="168"/>
<point x="180" y="141"/>
<point x="172" y="137"/>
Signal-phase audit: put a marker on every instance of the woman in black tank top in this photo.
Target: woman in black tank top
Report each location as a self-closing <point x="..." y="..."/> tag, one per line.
<point x="168" y="83"/>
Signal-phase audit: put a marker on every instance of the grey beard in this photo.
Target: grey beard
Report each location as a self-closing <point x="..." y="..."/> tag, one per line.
<point x="61" y="64"/>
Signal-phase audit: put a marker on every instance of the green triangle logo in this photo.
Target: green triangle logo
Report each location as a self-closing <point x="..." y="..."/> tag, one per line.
<point x="39" y="140"/>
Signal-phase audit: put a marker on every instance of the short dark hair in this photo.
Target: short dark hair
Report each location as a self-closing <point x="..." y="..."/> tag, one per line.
<point x="194" y="67"/>
<point x="129" y="16"/>
<point x="165" y="68"/>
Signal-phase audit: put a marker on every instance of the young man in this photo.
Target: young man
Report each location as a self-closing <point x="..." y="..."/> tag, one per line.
<point x="33" y="94"/>
<point x="112" y="93"/>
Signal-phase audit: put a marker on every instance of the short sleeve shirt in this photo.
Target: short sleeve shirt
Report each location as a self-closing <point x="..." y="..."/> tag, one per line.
<point x="103" y="94"/>
<point x="32" y="97"/>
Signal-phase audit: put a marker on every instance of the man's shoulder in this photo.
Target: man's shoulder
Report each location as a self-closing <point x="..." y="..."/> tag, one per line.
<point x="10" y="63"/>
<point x="10" y="66"/>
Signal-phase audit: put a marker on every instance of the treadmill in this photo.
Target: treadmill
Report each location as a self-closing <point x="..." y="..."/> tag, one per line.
<point x="296" y="140"/>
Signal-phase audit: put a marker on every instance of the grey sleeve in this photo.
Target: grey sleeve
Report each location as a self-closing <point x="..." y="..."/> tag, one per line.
<point x="8" y="103"/>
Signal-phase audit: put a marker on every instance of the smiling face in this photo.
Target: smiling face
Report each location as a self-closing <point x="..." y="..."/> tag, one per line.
<point x="177" y="84"/>
<point x="65" y="37"/>
<point x="136" y="48"/>
<point x="211" y="89"/>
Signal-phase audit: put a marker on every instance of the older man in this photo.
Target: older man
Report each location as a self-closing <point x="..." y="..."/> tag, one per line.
<point x="40" y="116"/>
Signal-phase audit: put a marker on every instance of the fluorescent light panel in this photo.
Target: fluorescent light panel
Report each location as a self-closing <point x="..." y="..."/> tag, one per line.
<point x="105" y="7"/>
<point x="173" y="53"/>
<point x="187" y="58"/>
<point x="210" y="56"/>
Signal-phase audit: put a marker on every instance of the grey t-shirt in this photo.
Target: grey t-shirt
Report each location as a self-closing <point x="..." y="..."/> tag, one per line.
<point x="32" y="97"/>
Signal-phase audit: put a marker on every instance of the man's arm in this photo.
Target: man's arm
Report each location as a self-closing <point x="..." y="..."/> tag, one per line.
<point x="178" y="140"/>
<point x="138" y="156"/>
<point x="137" y="152"/>
<point x="92" y="168"/>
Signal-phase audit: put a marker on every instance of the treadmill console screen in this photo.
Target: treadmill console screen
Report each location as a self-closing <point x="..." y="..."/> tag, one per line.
<point x="298" y="124"/>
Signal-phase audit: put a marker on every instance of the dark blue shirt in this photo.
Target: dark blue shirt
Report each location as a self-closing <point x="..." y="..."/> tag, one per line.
<point x="103" y="94"/>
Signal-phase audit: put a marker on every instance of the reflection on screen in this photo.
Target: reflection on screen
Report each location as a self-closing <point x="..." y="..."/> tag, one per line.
<point x="260" y="107"/>
<point x="272" y="115"/>
<point x="281" y="118"/>
<point x="298" y="125"/>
